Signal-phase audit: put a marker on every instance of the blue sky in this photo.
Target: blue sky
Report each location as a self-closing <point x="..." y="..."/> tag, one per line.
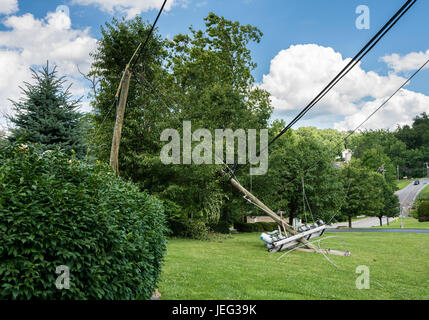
<point x="322" y="24"/>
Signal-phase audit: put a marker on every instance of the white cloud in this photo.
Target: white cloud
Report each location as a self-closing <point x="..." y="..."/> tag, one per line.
<point x="30" y="42"/>
<point x="299" y="73"/>
<point x="409" y="62"/>
<point x="400" y="110"/>
<point x="8" y="6"/>
<point x="130" y="8"/>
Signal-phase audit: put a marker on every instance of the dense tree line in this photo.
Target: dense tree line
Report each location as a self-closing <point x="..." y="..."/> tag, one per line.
<point x="205" y="76"/>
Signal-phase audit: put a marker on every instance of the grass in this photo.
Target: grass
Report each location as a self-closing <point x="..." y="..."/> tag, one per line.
<point x="240" y="268"/>
<point x="424" y="194"/>
<point x="409" y="223"/>
<point x="402" y="184"/>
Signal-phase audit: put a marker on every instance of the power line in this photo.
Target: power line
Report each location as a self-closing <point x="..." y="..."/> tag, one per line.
<point x="368" y="118"/>
<point x="133" y="59"/>
<point x="361" y="54"/>
<point x="365" y="50"/>
<point x="142" y="47"/>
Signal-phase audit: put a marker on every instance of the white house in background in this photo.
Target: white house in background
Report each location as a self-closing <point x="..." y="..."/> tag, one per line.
<point x="347" y="155"/>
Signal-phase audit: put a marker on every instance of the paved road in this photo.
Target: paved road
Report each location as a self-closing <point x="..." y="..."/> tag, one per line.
<point x="380" y="230"/>
<point x="363" y="223"/>
<point x="407" y="196"/>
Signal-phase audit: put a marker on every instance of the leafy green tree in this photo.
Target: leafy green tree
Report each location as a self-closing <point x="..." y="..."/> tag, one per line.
<point x="212" y="80"/>
<point x="376" y="160"/>
<point x="416" y="136"/>
<point x="333" y="139"/>
<point x="295" y="157"/>
<point x="416" y="139"/>
<point x="3" y="138"/>
<point x="204" y="77"/>
<point x="363" y="195"/>
<point x="380" y="139"/>
<point x="367" y="193"/>
<point x="47" y="114"/>
<point x="391" y="204"/>
<point x="146" y="116"/>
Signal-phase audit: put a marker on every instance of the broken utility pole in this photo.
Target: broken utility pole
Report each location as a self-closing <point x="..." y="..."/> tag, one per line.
<point x="114" y="152"/>
<point x="268" y="211"/>
<point x="123" y="89"/>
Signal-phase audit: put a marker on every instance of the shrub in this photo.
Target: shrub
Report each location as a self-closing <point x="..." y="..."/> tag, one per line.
<point x="423" y="211"/>
<point x="196" y="229"/>
<point x="222" y="227"/>
<point x="243" y="227"/>
<point x="177" y="228"/>
<point x="57" y="212"/>
<point x="255" y="227"/>
<point x="269" y="226"/>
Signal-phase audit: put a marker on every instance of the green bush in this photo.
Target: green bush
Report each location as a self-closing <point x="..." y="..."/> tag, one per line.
<point x="55" y="212"/>
<point x="269" y="226"/>
<point x="177" y="228"/>
<point x="255" y="227"/>
<point x="196" y="229"/>
<point x="192" y="228"/>
<point x="222" y="227"/>
<point x="423" y="211"/>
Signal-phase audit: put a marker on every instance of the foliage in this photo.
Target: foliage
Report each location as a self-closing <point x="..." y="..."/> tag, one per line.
<point x="3" y="139"/>
<point x="203" y="77"/>
<point x="376" y="160"/>
<point x="331" y="138"/>
<point x="423" y="210"/>
<point x="55" y="211"/>
<point x="47" y="115"/>
<point x="367" y="193"/>
<point x="196" y="229"/>
<point x="406" y="147"/>
<point x="295" y="157"/>
<point x="222" y="227"/>
<point x="256" y="227"/>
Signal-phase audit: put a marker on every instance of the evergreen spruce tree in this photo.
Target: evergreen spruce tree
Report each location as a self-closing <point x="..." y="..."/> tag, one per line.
<point x="47" y="114"/>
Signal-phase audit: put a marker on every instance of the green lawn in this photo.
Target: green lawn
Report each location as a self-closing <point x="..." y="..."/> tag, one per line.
<point x="402" y="184"/>
<point x="409" y="223"/>
<point x="240" y="268"/>
<point x="424" y="193"/>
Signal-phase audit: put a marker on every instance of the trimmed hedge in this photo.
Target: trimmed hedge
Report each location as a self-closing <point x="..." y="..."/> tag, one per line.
<point x="192" y="228"/>
<point x="55" y="212"/>
<point x="256" y="227"/>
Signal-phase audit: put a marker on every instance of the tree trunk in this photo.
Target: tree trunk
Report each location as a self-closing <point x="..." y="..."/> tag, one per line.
<point x="381" y="221"/>
<point x="350" y="222"/>
<point x="388" y="221"/>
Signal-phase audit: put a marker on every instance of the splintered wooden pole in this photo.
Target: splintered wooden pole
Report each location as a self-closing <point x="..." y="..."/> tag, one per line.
<point x="114" y="152"/>
<point x="271" y="213"/>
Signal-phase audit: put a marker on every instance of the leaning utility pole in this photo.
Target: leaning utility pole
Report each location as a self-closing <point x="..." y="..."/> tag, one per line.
<point x="268" y="211"/>
<point x="123" y="89"/>
<point x="117" y="132"/>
